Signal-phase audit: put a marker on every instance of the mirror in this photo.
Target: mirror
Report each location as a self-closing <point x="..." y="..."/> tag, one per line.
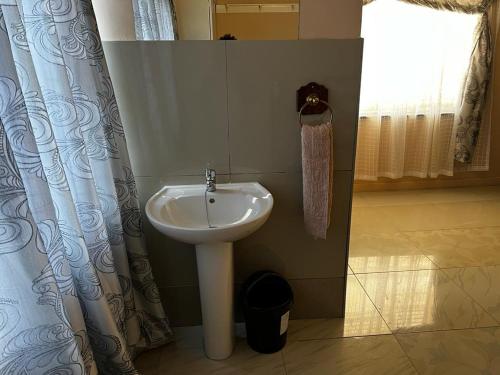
<point x="237" y="19"/>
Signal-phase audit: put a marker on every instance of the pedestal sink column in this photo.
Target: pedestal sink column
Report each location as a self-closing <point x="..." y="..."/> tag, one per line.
<point x="215" y="274"/>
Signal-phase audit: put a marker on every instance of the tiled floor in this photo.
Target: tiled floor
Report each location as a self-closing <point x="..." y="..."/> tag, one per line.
<point x="423" y="297"/>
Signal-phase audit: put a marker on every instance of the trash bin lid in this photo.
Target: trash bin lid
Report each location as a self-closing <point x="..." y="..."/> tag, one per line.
<point x="266" y="290"/>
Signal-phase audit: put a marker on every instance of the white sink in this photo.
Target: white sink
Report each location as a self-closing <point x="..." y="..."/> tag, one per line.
<point x="212" y="221"/>
<point x="232" y="212"/>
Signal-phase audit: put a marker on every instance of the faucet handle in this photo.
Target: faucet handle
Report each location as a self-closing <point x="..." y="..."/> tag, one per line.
<point x="210" y="174"/>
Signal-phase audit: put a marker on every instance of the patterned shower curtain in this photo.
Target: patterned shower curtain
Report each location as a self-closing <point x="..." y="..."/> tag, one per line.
<point x="76" y="291"/>
<point x="155" y="20"/>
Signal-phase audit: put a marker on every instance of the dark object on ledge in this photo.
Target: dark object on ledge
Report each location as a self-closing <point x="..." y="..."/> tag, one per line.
<point x="312" y="89"/>
<point x="227" y="37"/>
<point x="267" y="298"/>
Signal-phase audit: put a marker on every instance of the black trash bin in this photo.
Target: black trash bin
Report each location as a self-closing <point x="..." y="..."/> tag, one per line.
<point x="267" y="298"/>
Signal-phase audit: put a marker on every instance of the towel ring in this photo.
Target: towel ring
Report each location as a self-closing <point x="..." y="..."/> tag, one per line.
<point x="313" y="100"/>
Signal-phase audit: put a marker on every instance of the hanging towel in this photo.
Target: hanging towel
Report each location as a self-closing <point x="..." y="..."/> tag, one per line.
<point x="317" y="177"/>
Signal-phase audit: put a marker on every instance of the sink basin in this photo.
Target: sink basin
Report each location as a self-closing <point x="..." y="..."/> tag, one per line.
<point x="230" y="213"/>
<point x="212" y="221"/>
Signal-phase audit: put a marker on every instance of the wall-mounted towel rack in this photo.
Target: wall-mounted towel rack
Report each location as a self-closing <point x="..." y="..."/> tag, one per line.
<point x="312" y="99"/>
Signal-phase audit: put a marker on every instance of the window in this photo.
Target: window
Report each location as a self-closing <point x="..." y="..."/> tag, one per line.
<point x="414" y="58"/>
<point x="415" y="63"/>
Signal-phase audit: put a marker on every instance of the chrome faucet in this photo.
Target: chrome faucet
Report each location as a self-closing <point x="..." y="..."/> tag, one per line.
<point x="211" y="179"/>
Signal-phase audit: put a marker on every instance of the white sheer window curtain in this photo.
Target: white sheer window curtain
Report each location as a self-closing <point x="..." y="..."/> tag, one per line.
<point x="415" y="62"/>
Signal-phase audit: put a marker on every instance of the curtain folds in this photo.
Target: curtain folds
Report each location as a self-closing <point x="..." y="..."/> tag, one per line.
<point x="468" y="118"/>
<point x="464" y="6"/>
<point x="77" y="294"/>
<point x="474" y="97"/>
<point x="405" y="145"/>
<point x="155" y="20"/>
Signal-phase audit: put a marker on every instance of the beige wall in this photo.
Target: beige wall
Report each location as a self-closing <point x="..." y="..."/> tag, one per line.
<point x="194" y="19"/>
<point x="221" y="2"/>
<point x="258" y="26"/>
<point x="317" y="19"/>
<point x="330" y="19"/>
<point x="115" y="19"/>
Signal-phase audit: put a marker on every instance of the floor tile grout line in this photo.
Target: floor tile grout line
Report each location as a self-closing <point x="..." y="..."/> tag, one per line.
<point x="362" y="196"/>
<point x="444" y="330"/>
<point x="406" y="354"/>
<point x="422" y="253"/>
<point x="446" y="229"/>
<point x="399" y="231"/>
<point x="345" y="337"/>
<point x="430" y="260"/>
<point x="473" y="266"/>
<point x="408" y="235"/>
<point x="446" y="275"/>
<point x="427" y="269"/>
<point x="398" y="271"/>
<point x="340" y="338"/>
<point x="438" y="267"/>
<point x="427" y="204"/>
<point x="393" y="332"/>
<point x="283" y="361"/>
<point x="394" y="271"/>
<point x="373" y="303"/>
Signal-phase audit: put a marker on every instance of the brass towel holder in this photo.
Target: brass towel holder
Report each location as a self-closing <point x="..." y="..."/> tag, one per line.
<point x="312" y="99"/>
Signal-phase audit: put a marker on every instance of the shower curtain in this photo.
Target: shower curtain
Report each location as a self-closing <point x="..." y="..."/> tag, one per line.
<point x="155" y="20"/>
<point x="77" y="294"/>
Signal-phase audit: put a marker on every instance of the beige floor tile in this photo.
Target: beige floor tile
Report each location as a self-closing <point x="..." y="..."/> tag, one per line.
<point x="367" y="220"/>
<point x="390" y="219"/>
<point x="385" y="252"/>
<point x="387" y="263"/>
<point x="427" y="300"/>
<point x="192" y="360"/>
<point x="459" y="247"/>
<point x="385" y="219"/>
<point x="361" y="319"/>
<point x="147" y="363"/>
<point x="357" y="356"/>
<point x="461" y="352"/>
<point x="481" y="283"/>
<point x="185" y="338"/>
<point x="358" y="200"/>
<point x="462" y="215"/>
<point x="188" y="337"/>
<point x="416" y="298"/>
<point x="425" y="196"/>
<point x="186" y="356"/>
<point x="457" y="215"/>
